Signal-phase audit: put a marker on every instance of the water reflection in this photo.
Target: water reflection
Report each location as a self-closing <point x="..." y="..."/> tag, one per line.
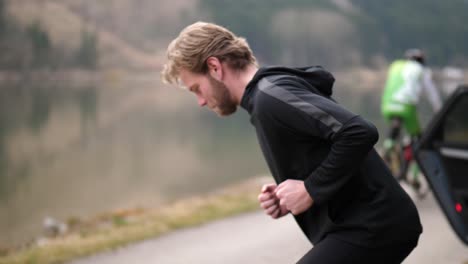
<point x="72" y="151"/>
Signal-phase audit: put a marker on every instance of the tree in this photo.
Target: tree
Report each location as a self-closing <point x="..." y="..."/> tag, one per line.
<point x="87" y="54"/>
<point x="40" y="44"/>
<point x="3" y="20"/>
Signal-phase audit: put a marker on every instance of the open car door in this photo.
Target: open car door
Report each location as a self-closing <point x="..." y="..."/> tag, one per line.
<point x="442" y="155"/>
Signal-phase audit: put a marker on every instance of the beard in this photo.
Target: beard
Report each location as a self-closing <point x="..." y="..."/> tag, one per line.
<point x="222" y="103"/>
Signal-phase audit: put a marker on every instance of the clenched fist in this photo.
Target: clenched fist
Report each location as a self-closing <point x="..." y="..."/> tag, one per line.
<point x="293" y="196"/>
<point x="270" y="203"/>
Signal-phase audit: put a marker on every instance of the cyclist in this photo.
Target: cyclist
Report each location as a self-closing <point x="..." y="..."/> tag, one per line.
<point x="407" y="79"/>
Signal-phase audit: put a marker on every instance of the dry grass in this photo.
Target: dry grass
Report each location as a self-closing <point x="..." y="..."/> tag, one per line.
<point x="116" y="229"/>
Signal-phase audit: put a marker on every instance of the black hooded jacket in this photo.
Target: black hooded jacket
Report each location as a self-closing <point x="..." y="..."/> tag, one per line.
<point x="305" y="135"/>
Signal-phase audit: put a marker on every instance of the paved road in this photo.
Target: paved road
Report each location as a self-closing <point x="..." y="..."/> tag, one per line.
<point x="255" y="238"/>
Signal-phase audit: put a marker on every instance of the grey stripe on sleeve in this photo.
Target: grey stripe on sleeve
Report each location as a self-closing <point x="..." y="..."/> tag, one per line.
<point x="289" y="98"/>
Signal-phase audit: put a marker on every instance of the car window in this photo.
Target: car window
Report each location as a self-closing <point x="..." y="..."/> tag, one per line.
<point x="455" y="128"/>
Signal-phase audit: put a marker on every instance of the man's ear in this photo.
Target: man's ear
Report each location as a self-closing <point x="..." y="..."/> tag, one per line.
<point x="215" y="68"/>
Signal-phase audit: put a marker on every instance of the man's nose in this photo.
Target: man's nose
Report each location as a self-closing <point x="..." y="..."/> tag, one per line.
<point x="201" y="101"/>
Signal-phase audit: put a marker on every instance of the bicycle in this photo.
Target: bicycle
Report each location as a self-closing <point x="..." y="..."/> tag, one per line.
<point x="399" y="156"/>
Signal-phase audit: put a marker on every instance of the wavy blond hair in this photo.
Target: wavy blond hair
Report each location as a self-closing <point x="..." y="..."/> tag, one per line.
<point x="199" y="41"/>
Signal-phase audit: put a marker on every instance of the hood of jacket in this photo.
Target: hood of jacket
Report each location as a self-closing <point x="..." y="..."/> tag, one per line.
<point x="316" y="76"/>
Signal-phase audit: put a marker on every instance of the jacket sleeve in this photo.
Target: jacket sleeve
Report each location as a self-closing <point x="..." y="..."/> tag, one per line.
<point x="311" y="115"/>
<point x="349" y="147"/>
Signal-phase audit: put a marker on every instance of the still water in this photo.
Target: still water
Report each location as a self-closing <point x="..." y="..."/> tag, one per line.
<point x="77" y="150"/>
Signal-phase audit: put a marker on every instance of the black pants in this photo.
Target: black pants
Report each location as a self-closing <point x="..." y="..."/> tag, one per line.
<point x="334" y="251"/>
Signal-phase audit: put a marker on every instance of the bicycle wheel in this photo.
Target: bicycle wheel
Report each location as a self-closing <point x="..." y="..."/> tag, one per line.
<point x="416" y="180"/>
<point x="393" y="159"/>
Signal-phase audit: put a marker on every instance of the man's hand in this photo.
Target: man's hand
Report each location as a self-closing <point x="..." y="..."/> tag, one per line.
<point x="293" y="196"/>
<point x="270" y="203"/>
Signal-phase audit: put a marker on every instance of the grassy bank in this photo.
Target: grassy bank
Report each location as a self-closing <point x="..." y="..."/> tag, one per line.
<point x="116" y="229"/>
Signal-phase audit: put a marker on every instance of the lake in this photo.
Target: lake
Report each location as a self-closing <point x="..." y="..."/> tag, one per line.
<point x="78" y="150"/>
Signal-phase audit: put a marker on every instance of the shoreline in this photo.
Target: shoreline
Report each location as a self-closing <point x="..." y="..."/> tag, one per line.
<point x="78" y="77"/>
<point x="119" y="228"/>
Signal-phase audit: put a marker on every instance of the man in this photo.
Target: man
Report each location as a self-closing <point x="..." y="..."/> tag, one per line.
<point x="321" y="155"/>
<point x="407" y="79"/>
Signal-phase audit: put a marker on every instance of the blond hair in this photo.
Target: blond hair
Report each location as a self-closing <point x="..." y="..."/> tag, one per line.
<point x="199" y="41"/>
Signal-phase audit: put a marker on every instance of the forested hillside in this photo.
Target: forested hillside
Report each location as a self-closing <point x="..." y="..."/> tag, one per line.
<point x="337" y="33"/>
<point x="439" y="27"/>
<point x="343" y="31"/>
<point x="29" y="45"/>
